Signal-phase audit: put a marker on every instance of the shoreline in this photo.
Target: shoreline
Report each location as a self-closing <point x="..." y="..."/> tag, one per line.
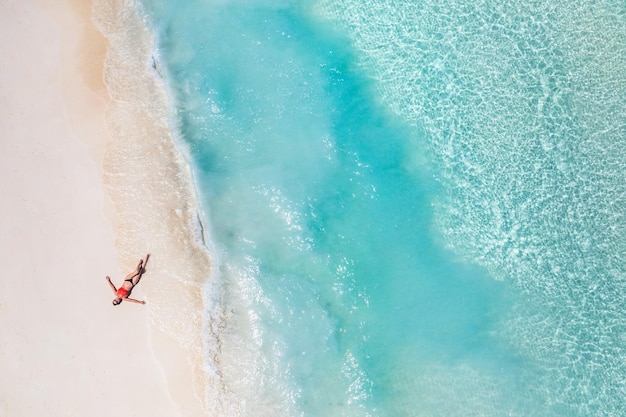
<point x="151" y="185"/>
<point x="66" y="350"/>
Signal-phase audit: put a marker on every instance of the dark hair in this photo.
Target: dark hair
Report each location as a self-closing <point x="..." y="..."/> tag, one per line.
<point x="117" y="301"/>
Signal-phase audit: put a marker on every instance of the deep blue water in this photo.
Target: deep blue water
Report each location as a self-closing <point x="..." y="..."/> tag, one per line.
<point x="417" y="207"/>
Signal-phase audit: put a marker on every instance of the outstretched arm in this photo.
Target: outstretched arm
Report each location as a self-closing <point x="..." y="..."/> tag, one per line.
<point x="111" y="285"/>
<point x="132" y="300"/>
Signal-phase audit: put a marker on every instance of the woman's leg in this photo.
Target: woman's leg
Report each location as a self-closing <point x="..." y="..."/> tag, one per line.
<point x="141" y="269"/>
<point x="137" y="272"/>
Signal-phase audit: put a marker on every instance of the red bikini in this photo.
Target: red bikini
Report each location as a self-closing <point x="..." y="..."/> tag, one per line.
<point x="122" y="292"/>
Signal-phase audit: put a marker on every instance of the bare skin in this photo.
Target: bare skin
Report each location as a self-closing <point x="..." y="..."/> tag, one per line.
<point x="129" y="283"/>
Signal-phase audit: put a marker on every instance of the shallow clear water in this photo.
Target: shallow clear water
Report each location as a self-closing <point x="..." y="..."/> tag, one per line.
<point x="418" y="210"/>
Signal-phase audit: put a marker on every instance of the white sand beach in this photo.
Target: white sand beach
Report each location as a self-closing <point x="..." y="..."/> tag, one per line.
<point x="64" y="350"/>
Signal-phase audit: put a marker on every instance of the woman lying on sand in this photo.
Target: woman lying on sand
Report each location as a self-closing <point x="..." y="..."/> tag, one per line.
<point x="129" y="283"/>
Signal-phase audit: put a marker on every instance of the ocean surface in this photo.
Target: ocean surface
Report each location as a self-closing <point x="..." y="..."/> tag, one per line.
<point x="414" y="208"/>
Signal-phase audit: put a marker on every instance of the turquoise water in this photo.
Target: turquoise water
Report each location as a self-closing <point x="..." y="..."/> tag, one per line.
<point x="417" y="208"/>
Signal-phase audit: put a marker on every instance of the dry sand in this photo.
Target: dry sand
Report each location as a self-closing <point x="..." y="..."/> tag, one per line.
<point x="64" y="349"/>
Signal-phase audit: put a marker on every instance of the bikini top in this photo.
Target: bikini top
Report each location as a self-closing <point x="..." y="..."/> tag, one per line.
<point x="122" y="292"/>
